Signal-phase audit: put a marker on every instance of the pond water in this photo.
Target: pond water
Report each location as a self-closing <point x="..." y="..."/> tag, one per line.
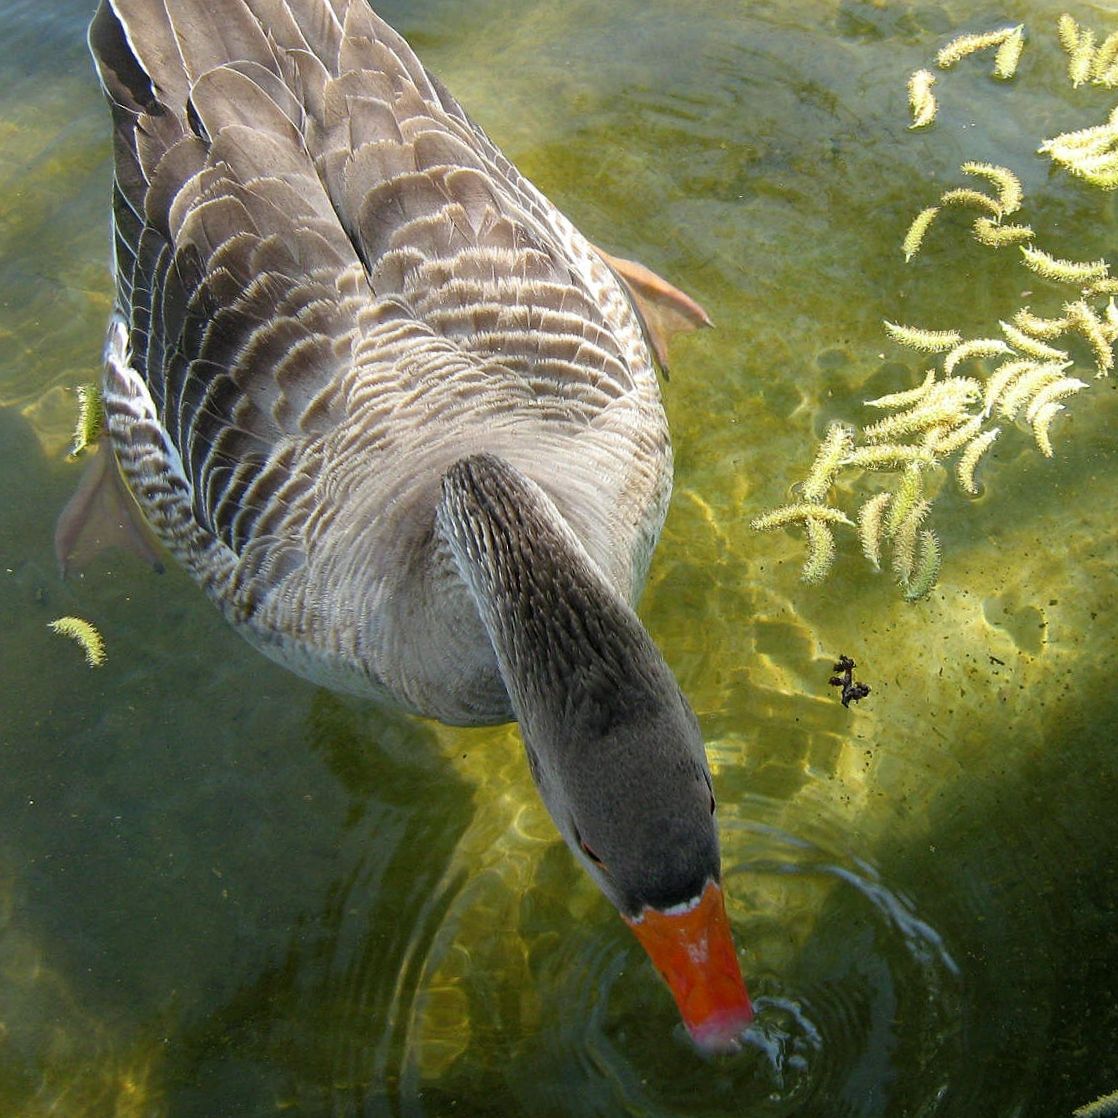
<point x="224" y="891"/>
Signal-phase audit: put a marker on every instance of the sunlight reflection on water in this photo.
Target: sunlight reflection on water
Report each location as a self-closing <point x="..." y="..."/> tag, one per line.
<point x="224" y="892"/>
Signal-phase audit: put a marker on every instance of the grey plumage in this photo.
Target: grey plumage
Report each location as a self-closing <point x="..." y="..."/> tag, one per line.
<point x="331" y="287"/>
<point x="400" y="420"/>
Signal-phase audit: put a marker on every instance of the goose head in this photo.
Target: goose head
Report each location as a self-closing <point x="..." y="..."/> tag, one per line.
<point x="613" y="746"/>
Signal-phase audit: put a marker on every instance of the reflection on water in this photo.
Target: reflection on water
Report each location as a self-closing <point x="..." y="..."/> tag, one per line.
<point x="222" y="891"/>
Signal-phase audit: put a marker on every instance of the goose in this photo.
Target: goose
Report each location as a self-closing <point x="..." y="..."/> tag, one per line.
<point x="402" y="423"/>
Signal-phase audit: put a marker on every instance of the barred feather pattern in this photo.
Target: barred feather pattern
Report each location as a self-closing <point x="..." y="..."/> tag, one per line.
<point x="331" y="285"/>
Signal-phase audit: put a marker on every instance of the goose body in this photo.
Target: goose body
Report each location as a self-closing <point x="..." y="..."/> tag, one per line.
<point x="400" y="419"/>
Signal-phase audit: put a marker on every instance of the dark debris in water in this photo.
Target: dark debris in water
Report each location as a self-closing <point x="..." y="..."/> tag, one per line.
<point x="851" y="690"/>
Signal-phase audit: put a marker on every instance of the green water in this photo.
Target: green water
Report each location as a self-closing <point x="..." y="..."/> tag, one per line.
<point x="224" y="892"/>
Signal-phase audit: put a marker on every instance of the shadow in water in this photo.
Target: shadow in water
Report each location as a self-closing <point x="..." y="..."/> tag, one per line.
<point x="324" y="1029"/>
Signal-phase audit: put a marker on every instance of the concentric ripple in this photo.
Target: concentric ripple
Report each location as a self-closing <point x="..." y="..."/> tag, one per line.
<point x="858" y="998"/>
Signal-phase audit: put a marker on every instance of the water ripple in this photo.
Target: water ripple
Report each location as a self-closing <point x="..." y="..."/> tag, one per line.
<point x="851" y="985"/>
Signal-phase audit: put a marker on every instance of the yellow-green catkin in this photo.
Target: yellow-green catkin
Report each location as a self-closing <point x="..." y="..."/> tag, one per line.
<point x="974" y="349"/>
<point x="91" y="419"/>
<point x="907" y="397"/>
<point x="1068" y="31"/>
<point x="942" y="442"/>
<point x="1025" y="343"/>
<point x="963" y="45"/>
<point x="1108" y="286"/>
<point x="968" y="460"/>
<point x="904" y="540"/>
<point x="930" y="341"/>
<point x="85" y="635"/>
<point x="1008" y="54"/>
<point x="914" y="237"/>
<point x="921" y="100"/>
<point x="1081" y="58"/>
<point x="1007" y="184"/>
<point x="910" y="489"/>
<point x="798" y="513"/>
<point x="832" y="451"/>
<point x="1105" y="1106"/>
<point x="1026" y="386"/>
<point x="820" y="551"/>
<point x="999" y="381"/>
<point x="1040" y="424"/>
<point x="870" y="526"/>
<point x="944" y="406"/>
<point x="887" y="456"/>
<point x="926" y="571"/>
<point x="994" y="234"/>
<point x="1038" y="327"/>
<point x="1104" y="68"/>
<point x="966" y="196"/>
<point x="1064" y="271"/>
<point x="1081" y="317"/>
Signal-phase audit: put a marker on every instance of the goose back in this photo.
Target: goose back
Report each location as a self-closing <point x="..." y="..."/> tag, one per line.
<point x="331" y="287"/>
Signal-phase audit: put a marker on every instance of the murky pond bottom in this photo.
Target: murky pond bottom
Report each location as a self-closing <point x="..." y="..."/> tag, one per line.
<point x="225" y="892"/>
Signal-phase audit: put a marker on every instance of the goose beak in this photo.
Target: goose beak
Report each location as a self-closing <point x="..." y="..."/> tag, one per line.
<point x="694" y="950"/>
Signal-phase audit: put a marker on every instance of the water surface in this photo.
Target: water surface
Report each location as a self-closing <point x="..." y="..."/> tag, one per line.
<point x="223" y="891"/>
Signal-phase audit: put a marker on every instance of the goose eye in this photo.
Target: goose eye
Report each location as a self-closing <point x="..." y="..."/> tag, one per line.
<point x="584" y="848"/>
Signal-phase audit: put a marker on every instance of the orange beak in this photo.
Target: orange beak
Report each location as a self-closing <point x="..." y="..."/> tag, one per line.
<point x="694" y="951"/>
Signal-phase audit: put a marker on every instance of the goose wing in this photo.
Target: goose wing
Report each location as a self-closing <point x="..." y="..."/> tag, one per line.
<point x="311" y="236"/>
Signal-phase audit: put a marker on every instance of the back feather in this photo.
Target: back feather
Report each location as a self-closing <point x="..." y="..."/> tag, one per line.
<point x="307" y="223"/>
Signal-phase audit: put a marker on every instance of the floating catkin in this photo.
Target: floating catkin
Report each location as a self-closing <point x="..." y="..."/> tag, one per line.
<point x="921" y="99"/>
<point x="832" y="452"/>
<point x="1051" y="392"/>
<point x="966" y="196"/>
<point x="1065" y="271"/>
<point x="790" y="514"/>
<point x="930" y="341"/>
<point x="1026" y="386"/>
<point x="910" y="490"/>
<point x="1007" y="184"/>
<point x="1040" y="423"/>
<point x="944" y="405"/>
<point x="927" y="567"/>
<point x="968" y="460"/>
<point x="869" y="526"/>
<point x="91" y="419"/>
<point x="1024" y="343"/>
<point x="907" y="397"/>
<point x="904" y="540"/>
<point x="1068" y="31"/>
<point x="975" y="348"/>
<point x="1001" y="378"/>
<point x="995" y="235"/>
<point x="85" y="635"/>
<point x="1105" y="1106"/>
<point x="1104" y="67"/>
<point x="887" y="456"/>
<point x="1038" y="327"/>
<point x="914" y="238"/>
<point x="820" y="551"/>
<point x="1082" y="318"/>
<point x="1108" y="286"/>
<point x="1008" y="54"/>
<point x="1081" y="58"/>
<point x="946" y="441"/>
<point x="964" y="45"/>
